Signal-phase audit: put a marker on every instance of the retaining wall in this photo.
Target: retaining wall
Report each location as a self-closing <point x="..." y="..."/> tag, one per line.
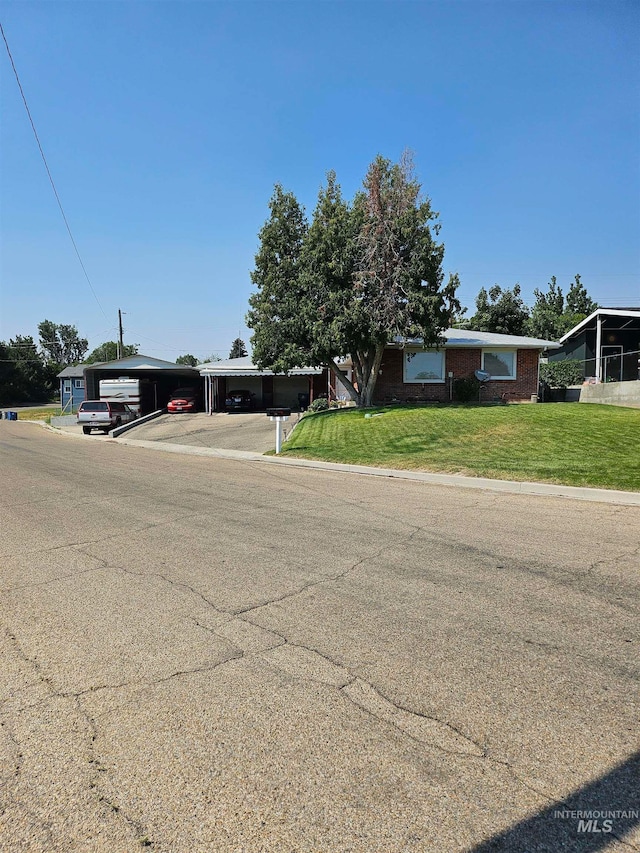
<point x="613" y="393"/>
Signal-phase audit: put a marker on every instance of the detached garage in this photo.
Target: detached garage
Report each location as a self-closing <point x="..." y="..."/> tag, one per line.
<point x="298" y="388"/>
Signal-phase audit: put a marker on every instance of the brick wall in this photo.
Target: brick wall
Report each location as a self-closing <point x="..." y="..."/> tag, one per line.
<point x="462" y="363"/>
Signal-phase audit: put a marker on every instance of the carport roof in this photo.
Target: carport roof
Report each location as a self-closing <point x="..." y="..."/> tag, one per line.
<point x="138" y="362"/>
<point x="245" y="367"/>
<point x="141" y="363"/>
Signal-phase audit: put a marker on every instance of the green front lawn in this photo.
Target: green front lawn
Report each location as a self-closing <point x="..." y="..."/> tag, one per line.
<point x="45" y="413"/>
<point x="570" y="443"/>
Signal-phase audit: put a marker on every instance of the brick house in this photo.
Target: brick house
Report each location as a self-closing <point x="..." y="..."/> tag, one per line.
<point x="410" y="373"/>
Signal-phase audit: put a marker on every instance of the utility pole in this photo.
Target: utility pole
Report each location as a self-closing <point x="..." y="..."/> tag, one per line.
<point x="120" y="343"/>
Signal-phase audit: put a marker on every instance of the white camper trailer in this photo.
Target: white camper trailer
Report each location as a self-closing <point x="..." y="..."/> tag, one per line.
<point x="138" y="394"/>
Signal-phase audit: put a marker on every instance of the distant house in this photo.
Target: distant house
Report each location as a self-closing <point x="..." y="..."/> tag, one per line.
<point x="71" y="387"/>
<point x="607" y="342"/>
<point x="409" y="372"/>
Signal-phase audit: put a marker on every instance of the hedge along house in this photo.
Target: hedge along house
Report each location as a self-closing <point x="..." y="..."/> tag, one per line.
<point x="159" y="378"/>
<point x="297" y="389"/>
<point x="71" y="388"/>
<point x="411" y="373"/>
<point x="607" y="342"/>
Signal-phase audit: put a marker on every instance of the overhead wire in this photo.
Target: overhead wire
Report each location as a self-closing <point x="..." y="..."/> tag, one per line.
<point x="46" y="165"/>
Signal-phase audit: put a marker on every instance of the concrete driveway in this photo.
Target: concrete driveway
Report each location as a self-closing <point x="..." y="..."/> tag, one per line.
<point x="241" y="431"/>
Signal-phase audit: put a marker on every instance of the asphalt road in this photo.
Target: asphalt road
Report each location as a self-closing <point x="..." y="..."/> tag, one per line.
<point x="203" y="654"/>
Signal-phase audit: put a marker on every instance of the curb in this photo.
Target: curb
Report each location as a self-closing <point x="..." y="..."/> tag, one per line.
<point x="513" y="487"/>
<point x="483" y="483"/>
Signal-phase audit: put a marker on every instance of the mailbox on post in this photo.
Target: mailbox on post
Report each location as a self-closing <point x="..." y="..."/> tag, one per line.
<point x="279" y="415"/>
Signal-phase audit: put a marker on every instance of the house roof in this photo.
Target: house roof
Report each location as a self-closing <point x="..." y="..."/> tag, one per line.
<point x="76" y="370"/>
<point x="245" y="367"/>
<point x="456" y="338"/>
<point x="602" y="312"/>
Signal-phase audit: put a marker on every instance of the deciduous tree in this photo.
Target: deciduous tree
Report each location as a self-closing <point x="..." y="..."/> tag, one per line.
<point x="187" y="359"/>
<point x="108" y="351"/>
<point x="25" y="377"/>
<point x="500" y="311"/>
<point x="61" y="344"/>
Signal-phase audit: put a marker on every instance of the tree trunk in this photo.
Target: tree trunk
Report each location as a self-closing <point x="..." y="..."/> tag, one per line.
<point x="344" y="380"/>
<point x="371" y="376"/>
<point x="366" y="366"/>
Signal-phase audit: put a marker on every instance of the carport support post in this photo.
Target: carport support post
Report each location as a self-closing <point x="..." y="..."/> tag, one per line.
<point x="598" y="348"/>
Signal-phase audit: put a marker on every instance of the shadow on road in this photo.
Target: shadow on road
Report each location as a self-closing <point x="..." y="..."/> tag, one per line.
<point x="590" y="819"/>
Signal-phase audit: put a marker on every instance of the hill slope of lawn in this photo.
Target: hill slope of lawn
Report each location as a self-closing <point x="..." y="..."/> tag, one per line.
<point x="569" y="443"/>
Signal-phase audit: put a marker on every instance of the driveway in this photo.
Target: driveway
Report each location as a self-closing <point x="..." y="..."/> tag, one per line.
<point x="242" y="431"/>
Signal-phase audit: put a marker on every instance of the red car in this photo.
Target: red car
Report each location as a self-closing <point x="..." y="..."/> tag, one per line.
<point x="183" y="400"/>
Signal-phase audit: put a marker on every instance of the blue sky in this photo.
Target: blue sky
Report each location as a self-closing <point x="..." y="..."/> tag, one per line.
<point x="166" y="124"/>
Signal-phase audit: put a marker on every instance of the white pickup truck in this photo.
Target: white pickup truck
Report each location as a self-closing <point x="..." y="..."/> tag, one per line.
<point x="103" y="415"/>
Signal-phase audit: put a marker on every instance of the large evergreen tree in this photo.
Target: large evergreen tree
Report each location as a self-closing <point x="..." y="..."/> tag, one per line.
<point x="552" y="315"/>
<point x="579" y="303"/>
<point x="547" y="315"/>
<point x="279" y="340"/>
<point x="360" y="276"/>
<point x="238" y="349"/>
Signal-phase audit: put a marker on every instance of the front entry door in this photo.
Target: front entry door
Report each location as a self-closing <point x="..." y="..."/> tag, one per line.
<point x="611" y="363"/>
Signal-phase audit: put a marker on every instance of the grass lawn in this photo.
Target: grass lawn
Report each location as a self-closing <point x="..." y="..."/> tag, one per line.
<point x="570" y="443"/>
<point x="45" y="413"/>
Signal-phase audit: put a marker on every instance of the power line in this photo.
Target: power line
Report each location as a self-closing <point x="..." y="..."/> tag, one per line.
<point x="44" y="160"/>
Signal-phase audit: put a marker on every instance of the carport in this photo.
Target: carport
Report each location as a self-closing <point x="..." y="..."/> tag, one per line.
<point x="300" y="385"/>
<point x="163" y="377"/>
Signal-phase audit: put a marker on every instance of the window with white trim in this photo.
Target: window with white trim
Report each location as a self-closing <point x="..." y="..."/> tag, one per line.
<point x="78" y="383"/>
<point x="500" y="364"/>
<point x="66" y="386"/>
<point x="423" y="366"/>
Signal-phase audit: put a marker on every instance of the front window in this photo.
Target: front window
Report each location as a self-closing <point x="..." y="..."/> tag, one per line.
<point x="78" y="383"/>
<point x="500" y="364"/>
<point x="66" y="387"/>
<point x="423" y="366"/>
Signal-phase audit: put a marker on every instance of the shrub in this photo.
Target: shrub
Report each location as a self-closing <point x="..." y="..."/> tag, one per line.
<point x="561" y="374"/>
<point x="466" y="390"/>
<point x="321" y="404"/>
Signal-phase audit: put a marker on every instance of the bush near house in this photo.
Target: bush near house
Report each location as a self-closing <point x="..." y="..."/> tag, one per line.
<point x="562" y="374"/>
<point x="466" y="390"/>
